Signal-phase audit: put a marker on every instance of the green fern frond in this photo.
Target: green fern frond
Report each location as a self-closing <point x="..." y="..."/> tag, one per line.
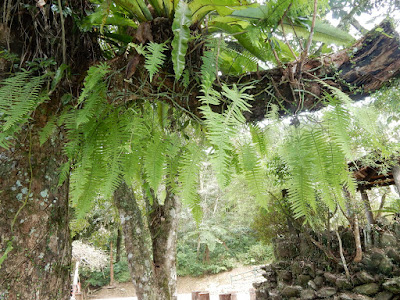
<point x="48" y="130"/>
<point x="338" y="124"/>
<point x="208" y="69"/>
<point x="222" y="127"/>
<point x="254" y="175"/>
<point x="154" y="159"/>
<point x="93" y="94"/>
<point x="259" y="139"/>
<point x="189" y="171"/>
<point x="155" y="58"/>
<point x="299" y="160"/>
<point x="19" y="97"/>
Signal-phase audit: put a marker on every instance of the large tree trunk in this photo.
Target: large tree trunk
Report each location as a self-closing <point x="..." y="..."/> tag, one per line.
<point x="34" y="234"/>
<point x="151" y="247"/>
<point x="33" y="220"/>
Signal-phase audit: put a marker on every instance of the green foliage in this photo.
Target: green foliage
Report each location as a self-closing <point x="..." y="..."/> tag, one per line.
<point x="154" y="161"/>
<point x="239" y="247"/>
<point x="155" y="58"/>
<point x="20" y="95"/>
<point x="223" y="127"/>
<point x="189" y="170"/>
<point x="180" y="27"/>
<point x="254" y="174"/>
<point x="102" y="278"/>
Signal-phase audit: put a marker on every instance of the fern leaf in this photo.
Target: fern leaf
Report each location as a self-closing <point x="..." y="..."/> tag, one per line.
<point x="19" y="97"/>
<point x="180" y="27"/>
<point x="300" y="162"/>
<point x="254" y="175"/>
<point x="155" y="58"/>
<point x="47" y="130"/>
<point x="154" y="161"/>
<point x="93" y="94"/>
<point x="222" y="128"/>
<point x="189" y="171"/>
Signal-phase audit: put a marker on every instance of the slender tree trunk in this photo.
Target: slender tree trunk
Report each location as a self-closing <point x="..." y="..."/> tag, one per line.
<point x="163" y="224"/>
<point x="34" y="234"/>
<point x="367" y="207"/>
<point x="396" y="177"/>
<point x="353" y="219"/>
<point x="137" y="243"/>
<point x="151" y="248"/>
<point x="111" y="265"/>
<point x="118" y="250"/>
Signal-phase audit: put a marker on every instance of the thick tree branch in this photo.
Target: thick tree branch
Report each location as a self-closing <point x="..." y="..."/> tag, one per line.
<point x="371" y="63"/>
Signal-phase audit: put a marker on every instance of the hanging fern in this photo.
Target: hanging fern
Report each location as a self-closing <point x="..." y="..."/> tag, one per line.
<point x="189" y="171"/>
<point x="254" y="175"/>
<point x="154" y="159"/>
<point x="93" y="94"/>
<point x="223" y="127"/>
<point x="19" y="97"/>
<point x="300" y="161"/>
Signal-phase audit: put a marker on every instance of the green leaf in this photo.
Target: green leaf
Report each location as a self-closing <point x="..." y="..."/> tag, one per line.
<point x="201" y="8"/>
<point x="180" y="27"/>
<point x="154" y="161"/>
<point x="58" y="76"/>
<point x="323" y="32"/>
<point x="47" y="130"/>
<point x="155" y="58"/>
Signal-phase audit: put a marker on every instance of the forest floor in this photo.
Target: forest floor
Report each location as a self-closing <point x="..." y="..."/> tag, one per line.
<point x="237" y="280"/>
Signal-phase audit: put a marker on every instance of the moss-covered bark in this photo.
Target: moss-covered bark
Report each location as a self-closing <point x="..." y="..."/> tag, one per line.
<point x="33" y="220"/>
<point x="151" y="247"/>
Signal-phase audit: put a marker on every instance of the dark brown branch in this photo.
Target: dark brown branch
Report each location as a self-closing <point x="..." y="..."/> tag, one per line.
<point x="365" y="67"/>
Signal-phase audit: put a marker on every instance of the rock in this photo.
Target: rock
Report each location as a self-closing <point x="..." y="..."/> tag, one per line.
<point x="384" y="296"/>
<point x="308" y="294"/>
<point x="396" y="229"/>
<point x="352" y="296"/>
<point x="291" y="291"/>
<point x="312" y="285"/>
<point x="319" y="281"/>
<point x="386" y="265"/>
<point x="346" y="296"/>
<point x="369" y="264"/>
<point x="296" y="268"/>
<point x="326" y="292"/>
<point x="309" y="269"/>
<point x="274" y="295"/>
<point x="377" y="254"/>
<point x="284" y="275"/>
<point x="392" y="285"/>
<point x="367" y="289"/>
<point x="364" y="277"/>
<point x="388" y="239"/>
<point x="393" y="254"/>
<point x="330" y="277"/>
<point x="303" y="280"/>
<point x="343" y="283"/>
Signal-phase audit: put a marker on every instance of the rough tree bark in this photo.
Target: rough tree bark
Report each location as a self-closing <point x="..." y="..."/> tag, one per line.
<point x="163" y="225"/>
<point x="150" y="247"/>
<point x="34" y="234"/>
<point x="34" y="220"/>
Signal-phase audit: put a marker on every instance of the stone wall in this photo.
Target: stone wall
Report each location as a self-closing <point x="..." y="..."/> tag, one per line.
<point x="303" y="271"/>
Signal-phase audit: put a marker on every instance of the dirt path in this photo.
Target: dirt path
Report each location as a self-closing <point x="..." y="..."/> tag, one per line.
<point x="243" y="277"/>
